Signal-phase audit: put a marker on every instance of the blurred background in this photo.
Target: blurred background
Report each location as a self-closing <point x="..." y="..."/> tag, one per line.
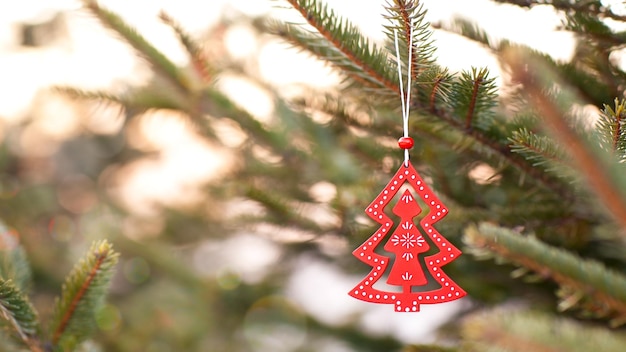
<point x="205" y="265"/>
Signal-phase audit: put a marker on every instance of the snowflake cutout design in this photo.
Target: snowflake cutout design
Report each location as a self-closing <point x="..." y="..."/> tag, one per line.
<point x="407" y="240"/>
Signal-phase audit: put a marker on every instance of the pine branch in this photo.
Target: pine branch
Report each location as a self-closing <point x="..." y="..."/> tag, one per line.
<point x="319" y="46"/>
<point x="83" y="294"/>
<point x="472" y="104"/>
<point x="406" y="17"/>
<point x="140" y="100"/>
<point x="590" y="7"/>
<point x="360" y="54"/>
<point x="429" y="348"/>
<point x="18" y="312"/>
<point x="159" y="61"/>
<point x="441" y="86"/>
<point x="285" y="213"/>
<point x="474" y="96"/>
<point x="611" y="126"/>
<point x="524" y="331"/>
<point x="589" y="164"/>
<point x="14" y="265"/>
<point x="542" y="151"/>
<point x="596" y="290"/>
<point x="197" y="55"/>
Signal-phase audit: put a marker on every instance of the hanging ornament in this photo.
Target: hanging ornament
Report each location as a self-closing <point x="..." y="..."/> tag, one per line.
<point x="406" y="240"/>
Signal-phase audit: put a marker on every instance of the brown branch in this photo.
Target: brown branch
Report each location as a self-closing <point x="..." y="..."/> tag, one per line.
<point x="339" y="45"/>
<point x="618" y="127"/>
<point x="406" y="22"/>
<point x="433" y="94"/>
<point x="78" y="297"/>
<point x="470" y="110"/>
<point x="588" y="163"/>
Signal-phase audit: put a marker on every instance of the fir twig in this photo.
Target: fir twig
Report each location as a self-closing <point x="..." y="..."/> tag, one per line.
<point x="472" y="105"/>
<point x="588" y="7"/>
<point x="197" y="55"/>
<point x="604" y="290"/>
<point x="542" y="151"/>
<point x="83" y="294"/>
<point x="19" y="313"/>
<point x="611" y="127"/>
<point x="405" y="8"/>
<point x="159" y="61"/>
<point x="348" y="41"/>
<point x="436" y="90"/>
<point x="592" y="168"/>
<point x="13" y="262"/>
<point x="524" y="331"/>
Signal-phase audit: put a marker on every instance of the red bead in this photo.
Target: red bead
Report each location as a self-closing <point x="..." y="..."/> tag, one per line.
<point x="405" y="142"/>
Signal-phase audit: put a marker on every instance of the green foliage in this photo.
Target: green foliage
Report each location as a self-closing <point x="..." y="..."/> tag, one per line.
<point x="611" y="126"/>
<point x="521" y="331"/>
<point x="406" y="17"/>
<point x="82" y="297"/>
<point x="519" y="164"/>
<point x="83" y="294"/>
<point x="13" y="263"/>
<point x="543" y="151"/>
<point x="597" y="290"/>
<point x="17" y="313"/>
<point x="340" y="43"/>
<point x="473" y="99"/>
<point x="138" y="42"/>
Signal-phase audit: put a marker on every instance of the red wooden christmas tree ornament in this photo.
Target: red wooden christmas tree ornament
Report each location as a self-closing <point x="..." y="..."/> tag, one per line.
<point x="406" y="240"/>
<point x="419" y="276"/>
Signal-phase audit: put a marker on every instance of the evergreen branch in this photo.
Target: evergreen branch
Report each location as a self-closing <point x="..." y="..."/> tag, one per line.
<point x="589" y="7"/>
<point x="440" y="88"/>
<point x="409" y="16"/>
<point x="472" y="105"/>
<point x="14" y="265"/>
<point x="198" y="58"/>
<point x="541" y="150"/>
<point x="348" y="40"/>
<point x="503" y="151"/>
<point x="474" y="96"/>
<point x="19" y="313"/>
<point x="582" y="73"/>
<point x="83" y="294"/>
<point x="471" y="30"/>
<point x="611" y="127"/>
<point x="429" y="348"/>
<point x="317" y="45"/>
<point x="404" y="8"/>
<point x="603" y="290"/>
<point x="592" y="168"/>
<point x="286" y="213"/>
<point x="159" y="61"/>
<point x="524" y="331"/>
<point x="140" y="100"/>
